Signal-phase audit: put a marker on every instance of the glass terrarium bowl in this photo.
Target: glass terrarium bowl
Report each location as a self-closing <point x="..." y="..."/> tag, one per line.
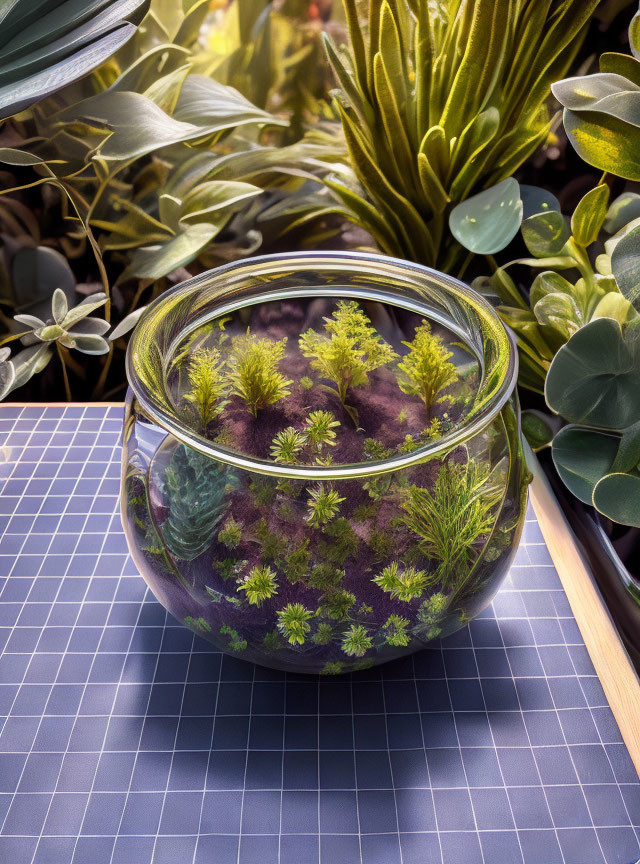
<point x="322" y="463"/>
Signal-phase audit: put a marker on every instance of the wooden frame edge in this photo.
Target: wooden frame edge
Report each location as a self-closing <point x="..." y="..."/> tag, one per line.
<point x="612" y="663"/>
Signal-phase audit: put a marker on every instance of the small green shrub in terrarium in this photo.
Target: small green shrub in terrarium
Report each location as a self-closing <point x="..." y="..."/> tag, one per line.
<point x="318" y="526"/>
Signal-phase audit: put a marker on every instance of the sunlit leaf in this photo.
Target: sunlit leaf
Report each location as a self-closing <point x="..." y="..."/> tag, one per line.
<point x="488" y="221"/>
<point x="617" y="496"/>
<point x="154" y="262"/>
<point x="545" y="234"/>
<point x="625" y="265"/>
<point x="589" y="215"/>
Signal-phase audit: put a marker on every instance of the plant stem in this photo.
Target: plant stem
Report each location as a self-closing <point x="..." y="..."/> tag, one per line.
<point x="67" y="388"/>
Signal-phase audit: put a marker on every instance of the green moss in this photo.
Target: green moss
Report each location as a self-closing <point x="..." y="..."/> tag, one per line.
<point x="452" y="516"/>
<point x="395" y="631"/>
<point x="229" y="568"/>
<point x="363" y="512"/>
<point x="263" y="491"/>
<point x="235" y="642"/>
<point x="403" y="583"/>
<point x="382" y="544"/>
<point x="336" y="604"/>
<point x="349" y="352"/>
<point x="343" y="544"/>
<point x="356" y="641"/>
<point x="335" y="668"/>
<point x="259" y="585"/>
<point x="293" y="622"/>
<point x="231" y="533"/>
<point x="253" y="371"/>
<point x="426" y="371"/>
<point x="375" y="450"/>
<point x="296" y="564"/>
<point x="323" y="505"/>
<point x="273" y="546"/>
<point x="325" y="577"/>
<point x="272" y="641"/>
<point x="208" y="385"/>
<point x="306" y="383"/>
<point x="324" y="634"/>
<point x="198" y="624"/>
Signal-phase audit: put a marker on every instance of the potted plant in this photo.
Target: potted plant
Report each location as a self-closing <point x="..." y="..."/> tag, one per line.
<point x="322" y="466"/>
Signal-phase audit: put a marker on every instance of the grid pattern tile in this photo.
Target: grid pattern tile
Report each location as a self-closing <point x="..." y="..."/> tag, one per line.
<point x="125" y="739"/>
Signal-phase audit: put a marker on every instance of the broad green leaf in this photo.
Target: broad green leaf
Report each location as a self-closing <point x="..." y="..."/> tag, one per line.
<point x="621" y="64"/>
<point x="623" y="210"/>
<point x="590" y="92"/>
<point x="589" y="215"/>
<point x="560" y="312"/>
<point x="549" y="282"/>
<point x="214" y="107"/>
<point x="593" y="379"/>
<point x="612" y="242"/>
<point x="137" y="125"/>
<point x="488" y="221"/>
<point x="614" y="305"/>
<point x="634" y="35"/>
<point x="617" y="496"/>
<point x="582" y="457"/>
<point x="605" y="142"/>
<point x="537" y="200"/>
<point x="625" y="265"/>
<point x="154" y="262"/>
<point x="628" y="455"/>
<point x="545" y="234"/>
<point x="213" y="196"/>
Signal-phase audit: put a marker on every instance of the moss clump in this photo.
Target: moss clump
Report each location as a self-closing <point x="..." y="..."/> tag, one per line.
<point x="402" y="583"/>
<point x="351" y="350"/>
<point x="323" y="505"/>
<point x="253" y="371"/>
<point x="356" y="641"/>
<point x="230" y="534"/>
<point x="293" y="623"/>
<point x="426" y="370"/>
<point x="259" y="585"/>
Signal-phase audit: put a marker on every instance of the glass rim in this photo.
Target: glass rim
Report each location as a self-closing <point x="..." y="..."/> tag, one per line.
<point x="158" y="407"/>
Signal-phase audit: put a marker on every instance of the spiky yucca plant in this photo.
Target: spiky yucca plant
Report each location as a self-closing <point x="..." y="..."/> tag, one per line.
<point x="440" y="100"/>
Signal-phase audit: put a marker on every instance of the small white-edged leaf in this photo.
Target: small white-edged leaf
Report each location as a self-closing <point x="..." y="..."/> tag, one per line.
<point x="127" y="324"/>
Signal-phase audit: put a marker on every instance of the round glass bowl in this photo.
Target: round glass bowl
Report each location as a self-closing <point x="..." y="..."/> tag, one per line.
<point x="322" y="464"/>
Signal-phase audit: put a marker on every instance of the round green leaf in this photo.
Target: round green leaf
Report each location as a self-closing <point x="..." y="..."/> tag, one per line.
<point x="593" y="379"/>
<point x="488" y="221"/>
<point x="587" y="92"/>
<point x="535" y="199"/>
<point x="582" y="457"/>
<point x="617" y="496"/>
<point x="549" y="282"/>
<point x="623" y="210"/>
<point x="545" y="234"/>
<point x="625" y="265"/>
<point x="589" y="215"/>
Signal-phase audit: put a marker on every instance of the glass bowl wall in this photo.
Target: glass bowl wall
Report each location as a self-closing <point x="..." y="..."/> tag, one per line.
<point x="418" y="539"/>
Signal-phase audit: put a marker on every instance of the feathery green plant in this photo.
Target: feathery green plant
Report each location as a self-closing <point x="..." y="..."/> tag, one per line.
<point x="231" y="533"/>
<point x="395" y="631"/>
<point x="208" y="385"/>
<point x="293" y="622"/>
<point x="402" y="583"/>
<point x="440" y="100"/>
<point x="319" y="429"/>
<point x="324" y="633"/>
<point x="287" y="445"/>
<point x="235" y="642"/>
<point x="195" y="488"/>
<point x="323" y="505"/>
<point x="356" y="641"/>
<point x="425" y="371"/>
<point x="259" y="585"/>
<point x="253" y="370"/>
<point x="451" y="517"/>
<point x="349" y="352"/>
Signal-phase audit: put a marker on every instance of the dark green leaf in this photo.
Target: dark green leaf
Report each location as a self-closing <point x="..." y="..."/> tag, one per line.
<point x="538" y="428"/>
<point x="625" y="265"/>
<point x="623" y="210"/>
<point x="628" y="456"/>
<point x="537" y="200"/>
<point x="617" y="496"/>
<point x="593" y="379"/>
<point x="582" y="457"/>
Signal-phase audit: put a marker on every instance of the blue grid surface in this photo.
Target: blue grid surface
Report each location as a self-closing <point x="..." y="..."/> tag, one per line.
<point x="126" y="739"/>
